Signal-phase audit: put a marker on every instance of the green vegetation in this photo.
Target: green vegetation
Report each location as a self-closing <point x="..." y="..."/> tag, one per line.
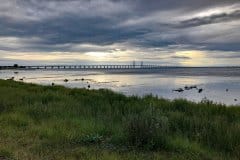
<point x="53" y="122"/>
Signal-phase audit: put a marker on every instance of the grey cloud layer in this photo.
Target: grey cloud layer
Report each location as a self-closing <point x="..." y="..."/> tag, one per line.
<point x="61" y="24"/>
<point x="216" y="18"/>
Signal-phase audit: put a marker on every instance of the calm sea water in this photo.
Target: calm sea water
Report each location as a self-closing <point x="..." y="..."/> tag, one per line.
<point x="221" y="86"/>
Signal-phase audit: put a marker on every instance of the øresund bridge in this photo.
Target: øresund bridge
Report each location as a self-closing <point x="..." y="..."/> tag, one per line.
<point x="82" y="67"/>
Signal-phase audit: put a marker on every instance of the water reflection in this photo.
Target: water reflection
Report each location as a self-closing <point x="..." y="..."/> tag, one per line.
<point x="214" y="87"/>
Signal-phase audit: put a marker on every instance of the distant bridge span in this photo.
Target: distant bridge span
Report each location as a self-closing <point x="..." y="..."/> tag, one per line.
<point x="83" y="67"/>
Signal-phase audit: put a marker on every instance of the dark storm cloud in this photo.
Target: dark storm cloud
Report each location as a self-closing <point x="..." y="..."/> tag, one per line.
<point x="59" y="24"/>
<point x="70" y="29"/>
<point x="217" y="18"/>
<point x="156" y="5"/>
<point x="223" y="46"/>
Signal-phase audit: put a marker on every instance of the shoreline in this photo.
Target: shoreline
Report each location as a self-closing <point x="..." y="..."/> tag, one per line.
<point x="161" y="85"/>
<point x="135" y="95"/>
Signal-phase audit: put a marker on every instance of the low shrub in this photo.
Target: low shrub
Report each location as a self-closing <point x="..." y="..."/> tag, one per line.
<point x="147" y="130"/>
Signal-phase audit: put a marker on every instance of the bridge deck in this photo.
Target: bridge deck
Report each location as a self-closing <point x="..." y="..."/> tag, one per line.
<point x="102" y="67"/>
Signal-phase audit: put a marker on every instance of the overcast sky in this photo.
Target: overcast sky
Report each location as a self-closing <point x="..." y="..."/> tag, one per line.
<point x="165" y="32"/>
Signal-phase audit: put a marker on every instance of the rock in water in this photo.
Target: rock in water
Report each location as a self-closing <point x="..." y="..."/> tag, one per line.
<point x="178" y="90"/>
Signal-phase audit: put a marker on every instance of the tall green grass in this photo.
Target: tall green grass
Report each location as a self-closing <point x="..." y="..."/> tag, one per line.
<point x="45" y="122"/>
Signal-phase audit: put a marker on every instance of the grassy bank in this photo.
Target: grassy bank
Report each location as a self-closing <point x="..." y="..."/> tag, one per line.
<point x="45" y="122"/>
